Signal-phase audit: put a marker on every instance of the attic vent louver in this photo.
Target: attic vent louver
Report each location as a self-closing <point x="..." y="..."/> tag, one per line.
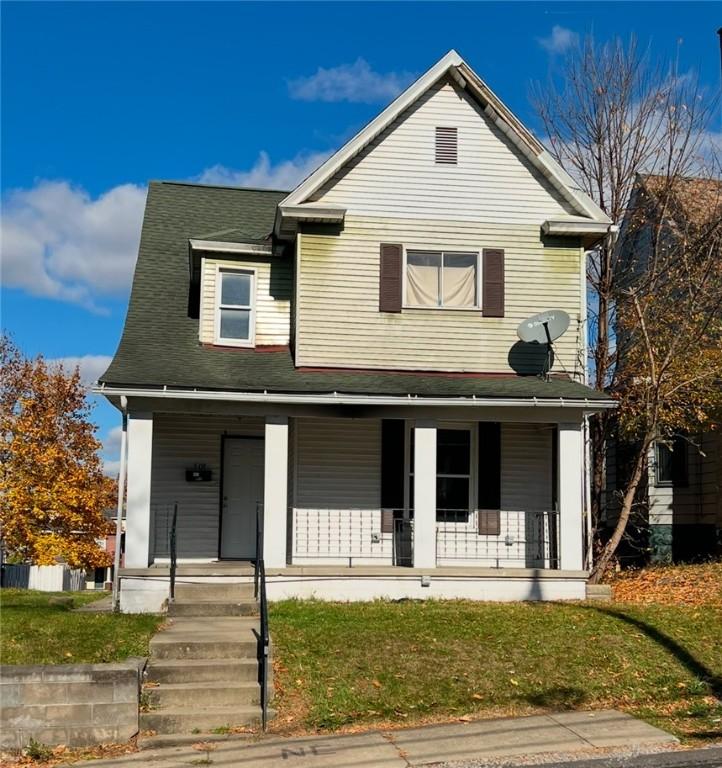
<point x="447" y="143"/>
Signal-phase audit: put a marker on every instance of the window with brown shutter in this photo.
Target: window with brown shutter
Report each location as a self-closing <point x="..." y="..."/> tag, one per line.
<point x="390" y="278"/>
<point x="489" y="478"/>
<point x="492" y="294"/>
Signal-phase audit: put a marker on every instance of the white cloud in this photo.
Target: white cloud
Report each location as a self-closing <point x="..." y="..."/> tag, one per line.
<point x="355" y="82"/>
<point x="91" y="366"/>
<point x="111" y="451"/>
<point x="59" y="242"/>
<point x="264" y="174"/>
<point x="559" y="41"/>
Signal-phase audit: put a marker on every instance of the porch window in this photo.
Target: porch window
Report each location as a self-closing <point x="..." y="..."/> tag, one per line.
<point x="442" y="279"/>
<point x="453" y="474"/>
<point x="235" y="307"/>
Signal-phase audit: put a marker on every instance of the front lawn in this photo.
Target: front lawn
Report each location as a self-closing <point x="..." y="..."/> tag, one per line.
<point x="340" y="666"/>
<point x="32" y="631"/>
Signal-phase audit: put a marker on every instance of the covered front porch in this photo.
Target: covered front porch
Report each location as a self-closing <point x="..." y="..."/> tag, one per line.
<point x="483" y="503"/>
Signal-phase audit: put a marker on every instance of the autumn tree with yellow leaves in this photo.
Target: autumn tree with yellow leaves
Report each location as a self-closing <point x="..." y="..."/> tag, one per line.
<point x="54" y="496"/>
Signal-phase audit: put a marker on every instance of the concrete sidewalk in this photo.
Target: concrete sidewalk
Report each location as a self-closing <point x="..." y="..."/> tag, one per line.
<point x="478" y="740"/>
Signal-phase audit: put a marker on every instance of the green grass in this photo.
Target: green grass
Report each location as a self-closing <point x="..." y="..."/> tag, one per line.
<point x="350" y="665"/>
<point x="34" y="632"/>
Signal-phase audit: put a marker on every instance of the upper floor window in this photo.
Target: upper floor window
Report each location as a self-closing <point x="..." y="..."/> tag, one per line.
<point x="235" y="307"/>
<point x="446" y="146"/>
<point x="442" y="279"/>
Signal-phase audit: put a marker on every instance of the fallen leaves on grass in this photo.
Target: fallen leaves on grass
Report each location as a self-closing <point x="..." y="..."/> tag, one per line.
<point x="67" y="755"/>
<point x="691" y="585"/>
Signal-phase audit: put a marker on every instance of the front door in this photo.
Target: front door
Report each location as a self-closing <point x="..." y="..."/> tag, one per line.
<point x="242" y="493"/>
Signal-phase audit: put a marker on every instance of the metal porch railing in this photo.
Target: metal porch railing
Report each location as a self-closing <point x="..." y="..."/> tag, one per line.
<point x="501" y="539"/>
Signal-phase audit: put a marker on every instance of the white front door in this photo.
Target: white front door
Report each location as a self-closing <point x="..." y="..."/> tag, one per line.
<point x="242" y="493"/>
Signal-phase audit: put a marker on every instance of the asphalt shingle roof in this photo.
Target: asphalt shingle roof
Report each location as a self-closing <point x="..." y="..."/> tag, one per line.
<point x="160" y="346"/>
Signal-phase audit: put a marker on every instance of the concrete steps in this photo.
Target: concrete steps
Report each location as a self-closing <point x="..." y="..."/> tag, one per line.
<point x="198" y="720"/>
<point x="210" y="694"/>
<point x="174" y="671"/>
<point x="195" y="608"/>
<point x="202" y="675"/>
<point x="214" y="591"/>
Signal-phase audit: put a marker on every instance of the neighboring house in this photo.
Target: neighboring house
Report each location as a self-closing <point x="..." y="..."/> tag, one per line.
<point x="343" y="359"/>
<point x="679" y="513"/>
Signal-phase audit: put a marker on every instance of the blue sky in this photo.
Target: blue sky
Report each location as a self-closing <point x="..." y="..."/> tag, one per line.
<point x="99" y="98"/>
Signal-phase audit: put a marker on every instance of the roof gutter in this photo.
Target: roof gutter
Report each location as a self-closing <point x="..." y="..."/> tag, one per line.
<point x="337" y="398"/>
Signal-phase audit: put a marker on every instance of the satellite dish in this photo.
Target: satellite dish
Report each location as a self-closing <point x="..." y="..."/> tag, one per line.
<point x="544" y="328"/>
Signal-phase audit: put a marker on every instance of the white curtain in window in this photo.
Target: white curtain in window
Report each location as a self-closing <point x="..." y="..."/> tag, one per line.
<point x="422" y="279"/>
<point x="459" y="280"/>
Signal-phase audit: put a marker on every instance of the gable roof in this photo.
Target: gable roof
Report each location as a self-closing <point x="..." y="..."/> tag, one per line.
<point x="451" y="65"/>
<point x="694" y="200"/>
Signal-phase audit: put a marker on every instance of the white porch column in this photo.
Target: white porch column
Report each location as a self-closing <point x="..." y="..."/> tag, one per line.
<point x="570" y="484"/>
<point x="425" y="494"/>
<point x="137" y="508"/>
<point x="275" y="498"/>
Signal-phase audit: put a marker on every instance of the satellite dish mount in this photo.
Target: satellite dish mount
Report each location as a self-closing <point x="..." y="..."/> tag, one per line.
<point x="544" y="328"/>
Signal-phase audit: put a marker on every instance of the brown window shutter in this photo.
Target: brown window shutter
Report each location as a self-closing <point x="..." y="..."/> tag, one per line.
<point x="393" y="436"/>
<point x="493" y="282"/>
<point x="489" y="522"/>
<point x="489" y="478"/>
<point x="390" y="278"/>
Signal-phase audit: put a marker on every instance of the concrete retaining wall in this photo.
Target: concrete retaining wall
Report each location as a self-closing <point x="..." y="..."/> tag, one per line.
<point x="75" y="704"/>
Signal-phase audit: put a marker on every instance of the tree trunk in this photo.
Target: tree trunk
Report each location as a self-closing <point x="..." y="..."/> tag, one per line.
<point x="598" y="440"/>
<point x="605" y="558"/>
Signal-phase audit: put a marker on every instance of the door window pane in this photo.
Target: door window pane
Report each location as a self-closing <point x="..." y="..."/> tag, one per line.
<point x="235" y="323"/>
<point x="236" y="288"/>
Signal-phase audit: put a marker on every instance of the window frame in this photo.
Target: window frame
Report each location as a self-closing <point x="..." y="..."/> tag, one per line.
<point x="221" y="340"/>
<point x="477" y="253"/>
<point x="472" y="429"/>
<point x="679" y="444"/>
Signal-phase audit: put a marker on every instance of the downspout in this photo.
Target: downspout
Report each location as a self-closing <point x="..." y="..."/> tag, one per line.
<point x="121" y="498"/>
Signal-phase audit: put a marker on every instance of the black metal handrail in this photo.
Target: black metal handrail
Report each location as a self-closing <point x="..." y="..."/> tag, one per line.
<point x="259" y="588"/>
<point x="173" y="551"/>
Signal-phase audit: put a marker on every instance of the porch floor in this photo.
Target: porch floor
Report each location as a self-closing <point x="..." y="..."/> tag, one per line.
<point x="245" y="569"/>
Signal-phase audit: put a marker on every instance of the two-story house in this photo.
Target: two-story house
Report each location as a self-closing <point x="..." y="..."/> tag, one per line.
<point x="341" y="363"/>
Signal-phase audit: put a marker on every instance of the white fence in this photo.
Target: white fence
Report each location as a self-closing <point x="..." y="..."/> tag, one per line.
<point x="46" y="578"/>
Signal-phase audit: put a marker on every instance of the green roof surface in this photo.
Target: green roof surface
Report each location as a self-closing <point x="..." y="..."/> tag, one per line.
<point x="160" y="346"/>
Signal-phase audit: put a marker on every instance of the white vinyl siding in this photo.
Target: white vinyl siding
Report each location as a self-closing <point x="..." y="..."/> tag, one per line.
<point x="397" y="173"/>
<point x="696" y="502"/>
<point x="181" y="441"/>
<point x="337" y="509"/>
<point x="272" y="298"/>
<point x="339" y="323"/>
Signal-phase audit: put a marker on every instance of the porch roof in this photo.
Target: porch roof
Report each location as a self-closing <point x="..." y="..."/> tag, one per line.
<point x="273" y="371"/>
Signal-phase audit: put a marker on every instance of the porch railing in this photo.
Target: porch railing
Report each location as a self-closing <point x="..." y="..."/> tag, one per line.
<point x="264" y="639"/>
<point x="354" y="536"/>
<point x="172" y="545"/>
<point x="501" y="539"/>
